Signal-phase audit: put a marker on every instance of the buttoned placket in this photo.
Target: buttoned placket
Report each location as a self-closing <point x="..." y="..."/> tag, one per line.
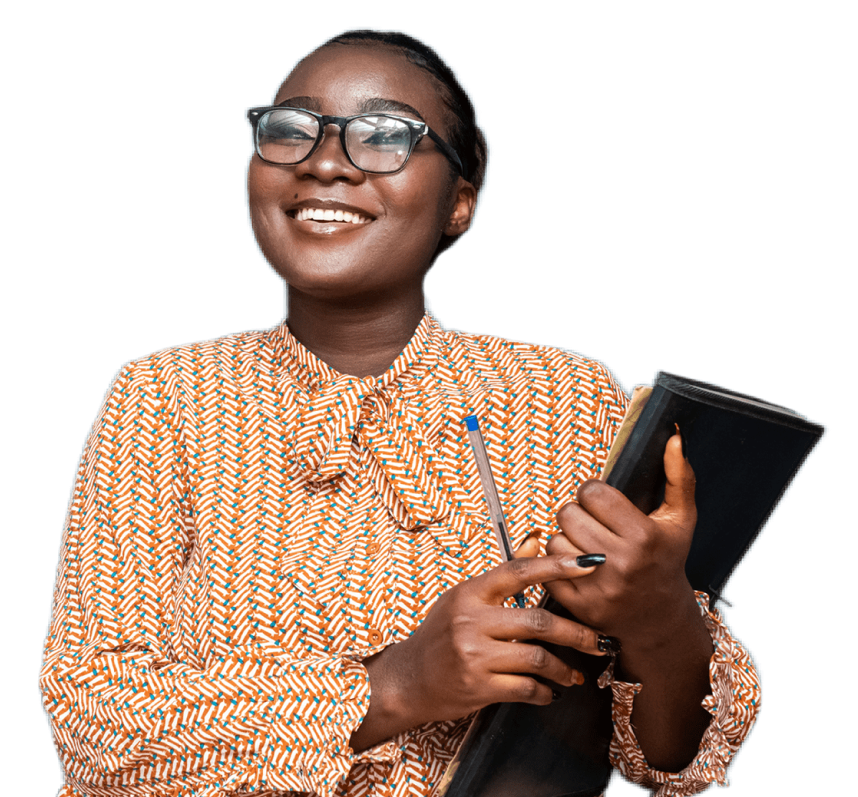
<point x="370" y="607"/>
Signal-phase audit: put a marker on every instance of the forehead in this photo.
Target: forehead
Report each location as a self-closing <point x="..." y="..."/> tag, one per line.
<point x="343" y="79"/>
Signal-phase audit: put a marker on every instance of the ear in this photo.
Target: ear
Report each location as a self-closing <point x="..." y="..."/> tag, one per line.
<point x="464" y="203"/>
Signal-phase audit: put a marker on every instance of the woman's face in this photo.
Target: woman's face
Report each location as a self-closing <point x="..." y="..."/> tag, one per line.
<point x="404" y="214"/>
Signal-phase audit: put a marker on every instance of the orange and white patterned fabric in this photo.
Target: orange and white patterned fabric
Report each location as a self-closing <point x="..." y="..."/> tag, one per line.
<point x="248" y="525"/>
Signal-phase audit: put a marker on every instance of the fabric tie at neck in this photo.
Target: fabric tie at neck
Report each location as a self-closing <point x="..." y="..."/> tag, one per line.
<point x="348" y="414"/>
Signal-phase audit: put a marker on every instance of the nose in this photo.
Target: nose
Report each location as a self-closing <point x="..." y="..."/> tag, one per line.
<point x="329" y="162"/>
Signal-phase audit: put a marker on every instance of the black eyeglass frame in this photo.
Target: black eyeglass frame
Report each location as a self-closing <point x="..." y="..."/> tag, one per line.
<point x="417" y="129"/>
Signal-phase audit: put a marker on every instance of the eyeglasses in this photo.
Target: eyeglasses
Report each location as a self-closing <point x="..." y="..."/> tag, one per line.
<point x="373" y="142"/>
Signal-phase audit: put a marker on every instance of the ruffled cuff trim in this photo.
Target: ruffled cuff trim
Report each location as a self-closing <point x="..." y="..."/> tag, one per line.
<point x="733" y="704"/>
<point x="387" y="752"/>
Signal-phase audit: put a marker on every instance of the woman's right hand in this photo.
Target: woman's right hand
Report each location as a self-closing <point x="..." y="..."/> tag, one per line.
<point x="464" y="655"/>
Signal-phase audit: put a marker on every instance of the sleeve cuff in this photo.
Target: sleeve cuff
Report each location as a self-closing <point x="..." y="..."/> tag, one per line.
<point x="733" y="704"/>
<point x="325" y="763"/>
<point x="354" y="709"/>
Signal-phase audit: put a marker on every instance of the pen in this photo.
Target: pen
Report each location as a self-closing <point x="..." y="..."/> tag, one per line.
<point x="490" y="491"/>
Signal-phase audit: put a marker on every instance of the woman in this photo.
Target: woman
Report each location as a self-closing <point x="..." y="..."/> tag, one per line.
<point x="278" y="572"/>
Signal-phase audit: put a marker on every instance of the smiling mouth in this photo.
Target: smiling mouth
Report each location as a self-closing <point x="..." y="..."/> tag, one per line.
<point x="319" y="214"/>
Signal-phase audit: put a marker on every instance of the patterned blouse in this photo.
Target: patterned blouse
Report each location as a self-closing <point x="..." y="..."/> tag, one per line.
<point x="248" y="525"/>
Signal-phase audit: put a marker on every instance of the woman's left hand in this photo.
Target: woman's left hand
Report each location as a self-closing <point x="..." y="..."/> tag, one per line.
<point x="641" y="592"/>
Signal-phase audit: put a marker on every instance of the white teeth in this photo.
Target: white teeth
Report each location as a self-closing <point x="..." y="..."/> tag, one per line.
<point x="318" y="214"/>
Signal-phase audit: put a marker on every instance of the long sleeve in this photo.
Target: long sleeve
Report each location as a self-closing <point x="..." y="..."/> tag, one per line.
<point x="733" y="704"/>
<point x="136" y="708"/>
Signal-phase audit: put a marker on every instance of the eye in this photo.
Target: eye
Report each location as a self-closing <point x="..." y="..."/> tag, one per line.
<point x="383" y="138"/>
<point x="291" y="132"/>
<point x="380" y="132"/>
<point x="288" y="127"/>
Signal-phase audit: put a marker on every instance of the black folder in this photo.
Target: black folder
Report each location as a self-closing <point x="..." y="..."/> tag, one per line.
<point x="744" y="452"/>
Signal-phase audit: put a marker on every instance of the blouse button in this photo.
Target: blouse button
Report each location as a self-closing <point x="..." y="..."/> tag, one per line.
<point x="372" y="548"/>
<point x="375" y="636"/>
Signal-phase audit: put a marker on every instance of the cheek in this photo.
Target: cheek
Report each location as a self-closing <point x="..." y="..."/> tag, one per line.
<point x="265" y="185"/>
<point x="425" y="202"/>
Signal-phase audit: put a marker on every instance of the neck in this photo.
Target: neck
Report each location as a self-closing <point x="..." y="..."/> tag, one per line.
<point x="360" y="339"/>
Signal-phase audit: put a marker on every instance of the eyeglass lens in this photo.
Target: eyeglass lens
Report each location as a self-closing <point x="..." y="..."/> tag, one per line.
<point x="374" y="143"/>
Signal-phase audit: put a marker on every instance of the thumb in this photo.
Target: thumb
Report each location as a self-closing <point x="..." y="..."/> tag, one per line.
<point x="678" y="507"/>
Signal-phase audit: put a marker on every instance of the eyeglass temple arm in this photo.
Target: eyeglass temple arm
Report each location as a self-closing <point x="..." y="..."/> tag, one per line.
<point x="446" y="149"/>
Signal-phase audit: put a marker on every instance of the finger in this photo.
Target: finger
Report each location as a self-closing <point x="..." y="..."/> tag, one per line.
<point x="542" y="625"/>
<point x="567" y="594"/>
<point x="583" y="529"/>
<point x="521" y="657"/>
<point x="609" y="507"/>
<point x="566" y="591"/>
<point x="678" y="505"/>
<point x="510" y="688"/>
<point x="560" y="544"/>
<point x="512" y="577"/>
<point x="529" y="546"/>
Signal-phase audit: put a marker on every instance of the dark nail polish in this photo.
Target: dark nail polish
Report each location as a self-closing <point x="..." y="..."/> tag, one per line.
<point x="555" y="695"/>
<point x="590" y="559"/>
<point x="609" y="644"/>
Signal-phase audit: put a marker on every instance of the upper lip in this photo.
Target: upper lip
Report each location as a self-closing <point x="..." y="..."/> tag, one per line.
<point x="328" y="204"/>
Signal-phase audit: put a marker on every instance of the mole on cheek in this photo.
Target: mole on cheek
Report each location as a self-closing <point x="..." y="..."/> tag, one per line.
<point x="296" y="196"/>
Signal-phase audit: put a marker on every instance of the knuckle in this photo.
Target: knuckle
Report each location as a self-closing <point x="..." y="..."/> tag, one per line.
<point x="461" y="630"/>
<point x="583" y="637"/>
<point x="538" y="657"/>
<point x="519" y="568"/>
<point x="589" y="490"/>
<point x="538" y="620"/>
<point x="566" y="512"/>
<point x="620" y="569"/>
<point x="624" y="569"/>
<point x="527" y="689"/>
<point x="467" y="651"/>
<point x="612" y="593"/>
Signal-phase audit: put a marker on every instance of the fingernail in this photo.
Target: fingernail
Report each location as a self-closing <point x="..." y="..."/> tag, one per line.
<point x="590" y="559"/>
<point x="555" y="695"/>
<point x="577" y="678"/>
<point x="609" y="644"/>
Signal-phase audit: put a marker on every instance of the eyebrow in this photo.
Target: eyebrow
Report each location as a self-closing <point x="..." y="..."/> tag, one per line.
<point x="375" y="104"/>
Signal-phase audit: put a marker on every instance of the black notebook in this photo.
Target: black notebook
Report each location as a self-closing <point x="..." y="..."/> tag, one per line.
<point x="744" y="453"/>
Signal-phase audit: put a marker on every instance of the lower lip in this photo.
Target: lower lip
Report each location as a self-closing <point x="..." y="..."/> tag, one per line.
<point x="327" y="227"/>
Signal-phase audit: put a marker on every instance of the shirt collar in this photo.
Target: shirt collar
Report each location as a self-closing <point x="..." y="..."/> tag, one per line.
<point x="300" y="365"/>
